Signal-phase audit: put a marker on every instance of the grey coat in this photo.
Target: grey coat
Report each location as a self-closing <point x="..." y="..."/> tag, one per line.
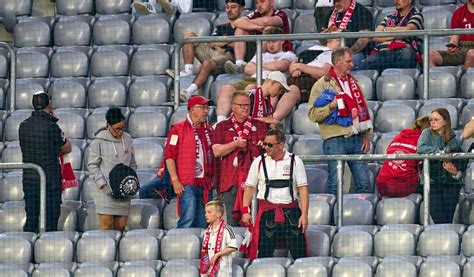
<point x="105" y="152"/>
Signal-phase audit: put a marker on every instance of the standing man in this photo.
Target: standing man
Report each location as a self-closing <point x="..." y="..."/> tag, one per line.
<point x="237" y="141"/>
<point x="282" y="195"/>
<point x="190" y="162"/>
<point x="41" y="142"/>
<point x="460" y="49"/>
<point x="349" y="139"/>
<point x="350" y="16"/>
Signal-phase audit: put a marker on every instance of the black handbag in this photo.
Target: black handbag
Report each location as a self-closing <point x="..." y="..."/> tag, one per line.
<point x="123" y="181"/>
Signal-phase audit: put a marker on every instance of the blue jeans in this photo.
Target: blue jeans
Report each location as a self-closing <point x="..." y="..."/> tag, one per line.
<point x="357" y="58"/>
<point x="192" y="208"/>
<point x="360" y="170"/>
<point x="399" y="58"/>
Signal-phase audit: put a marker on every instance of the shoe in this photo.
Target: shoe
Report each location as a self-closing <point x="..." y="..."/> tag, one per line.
<point x="167" y="6"/>
<point x="184" y="96"/>
<point x="144" y="8"/>
<point x="232" y="68"/>
<point x="182" y="73"/>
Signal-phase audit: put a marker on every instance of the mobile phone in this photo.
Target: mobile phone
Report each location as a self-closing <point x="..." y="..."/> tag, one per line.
<point x="451" y="45"/>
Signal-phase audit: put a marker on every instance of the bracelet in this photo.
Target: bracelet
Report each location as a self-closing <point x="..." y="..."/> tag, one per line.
<point x="245" y="210"/>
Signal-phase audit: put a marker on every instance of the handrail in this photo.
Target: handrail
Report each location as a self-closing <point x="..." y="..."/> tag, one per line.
<point x="12" y="74"/>
<point x="37" y="168"/>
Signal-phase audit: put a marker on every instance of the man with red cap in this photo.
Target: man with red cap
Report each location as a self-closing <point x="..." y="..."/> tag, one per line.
<point x="189" y="161"/>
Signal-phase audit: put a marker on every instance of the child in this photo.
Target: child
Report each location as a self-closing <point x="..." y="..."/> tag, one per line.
<point x="219" y="242"/>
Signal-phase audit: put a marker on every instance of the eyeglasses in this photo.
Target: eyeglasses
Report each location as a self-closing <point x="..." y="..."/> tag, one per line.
<point x="242" y="106"/>
<point x="117" y="130"/>
<point x="270" y="145"/>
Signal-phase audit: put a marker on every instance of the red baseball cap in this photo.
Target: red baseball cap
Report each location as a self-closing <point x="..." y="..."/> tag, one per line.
<point x="198" y="100"/>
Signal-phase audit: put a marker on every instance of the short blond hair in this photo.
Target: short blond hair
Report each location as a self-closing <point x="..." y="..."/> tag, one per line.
<point x="218" y="204"/>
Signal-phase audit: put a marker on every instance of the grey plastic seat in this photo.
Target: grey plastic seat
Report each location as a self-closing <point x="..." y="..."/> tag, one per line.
<point x="200" y="26"/>
<point x="70" y="62"/>
<point x="106" y="92"/>
<point x="15" y="8"/>
<point x="366" y="85"/>
<point x="143" y="216"/>
<point x="72" y="30"/>
<point x="95" y="271"/>
<point x="12" y="217"/>
<point x="15" y="250"/>
<point x="223" y="79"/>
<point x="173" y="270"/>
<point x="397" y="86"/>
<point x="178" y="115"/>
<point x="261" y="270"/>
<point x="88" y="218"/>
<point x="441" y="85"/>
<point x="151" y="29"/>
<point x="112" y="7"/>
<point x="396" y="269"/>
<point x="412" y="72"/>
<point x="138" y="247"/>
<point x="308" y="145"/>
<point x="71" y="124"/>
<point x="131" y="271"/>
<point x="147" y="91"/>
<point x="68" y="93"/>
<point x="67" y="219"/>
<point x="109" y="61"/>
<point x="318" y="243"/>
<point x="182" y="246"/>
<point x="438" y="242"/>
<point x="357" y="212"/>
<point x="149" y="60"/>
<point x="25" y="88"/>
<point x="51" y="271"/>
<point x="12" y="153"/>
<point x="170" y="216"/>
<point x="439" y="268"/>
<point x="87" y="249"/>
<point x="383" y="142"/>
<point x="13" y="272"/>
<point x="426" y="110"/>
<point x="317" y="178"/>
<point x="4" y="64"/>
<point x="304" y="23"/>
<point x="467" y="244"/>
<point x="394" y="243"/>
<point x="283" y="261"/>
<point x="112" y="29"/>
<point x="301" y="123"/>
<point x="11" y="187"/>
<point x="307" y="269"/>
<point x="53" y="249"/>
<point x="396" y="211"/>
<point x="32" y="32"/>
<point x="468" y="269"/>
<point x="352" y="243"/>
<point x="392" y="118"/>
<point x="320" y="209"/>
<point x="351" y="268"/>
<point x="148" y="155"/>
<point x="437" y="18"/>
<point x="147" y="122"/>
<point x="74" y="7"/>
<point x="32" y="63"/>
<point x="438" y="2"/>
<point x="88" y="189"/>
<point x="467" y="85"/>
<point x="466" y="114"/>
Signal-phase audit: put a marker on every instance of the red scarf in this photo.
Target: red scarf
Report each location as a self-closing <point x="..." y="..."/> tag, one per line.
<point x="205" y="259"/>
<point x="260" y="107"/>
<point x="356" y="102"/>
<point x="345" y="19"/>
<point x="247" y="127"/>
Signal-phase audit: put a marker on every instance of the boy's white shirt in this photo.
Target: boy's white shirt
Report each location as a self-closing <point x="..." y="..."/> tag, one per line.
<point x="269" y="57"/>
<point x="229" y="240"/>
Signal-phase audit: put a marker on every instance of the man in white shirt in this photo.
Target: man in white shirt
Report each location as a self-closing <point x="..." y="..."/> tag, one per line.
<point x="282" y="195"/>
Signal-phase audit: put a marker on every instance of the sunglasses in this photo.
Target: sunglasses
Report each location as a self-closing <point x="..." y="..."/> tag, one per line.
<point x="270" y="145"/>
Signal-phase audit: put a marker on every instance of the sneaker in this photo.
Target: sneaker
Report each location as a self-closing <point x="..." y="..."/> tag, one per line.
<point x="167" y="6"/>
<point x="184" y="96"/>
<point x="144" y="8"/>
<point x="232" y="68"/>
<point x="182" y="73"/>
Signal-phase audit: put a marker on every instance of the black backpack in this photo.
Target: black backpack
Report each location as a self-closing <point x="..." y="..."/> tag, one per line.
<point x="124" y="181"/>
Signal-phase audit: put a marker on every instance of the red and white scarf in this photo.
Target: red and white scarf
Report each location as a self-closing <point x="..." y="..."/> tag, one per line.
<point x="355" y="102"/>
<point x="345" y="19"/>
<point x="260" y="107"/>
<point x="247" y="127"/>
<point x="205" y="263"/>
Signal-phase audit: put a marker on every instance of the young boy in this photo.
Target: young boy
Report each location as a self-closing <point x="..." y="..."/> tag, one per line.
<point x="219" y="242"/>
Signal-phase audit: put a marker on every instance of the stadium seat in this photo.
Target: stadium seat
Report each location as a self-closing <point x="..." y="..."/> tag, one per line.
<point x="51" y="271"/>
<point x="263" y="270"/>
<point x="305" y="23"/>
<point x="223" y="79"/>
<point x="318" y="243"/>
<point x="14" y="250"/>
<point x="283" y="261"/>
<point x="148" y="155"/>
<point x="182" y="246"/>
<point x="22" y="7"/>
<point x="458" y="103"/>
<point x="352" y="243"/>
<point x="427" y="108"/>
<point x="138" y="247"/>
<point x="53" y="249"/>
<point x="106" y="92"/>
<point x="12" y="153"/>
<point x="439" y="268"/>
<point x="96" y="271"/>
<point x="467" y="245"/>
<point x="396" y="86"/>
<point x="33" y="32"/>
<point x="412" y="72"/>
<point x="456" y="227"/>
<point x="73" y="30"/>
<point x="4" y="65"/>
<point x="438" y="242"/>
<point x="138" y="270"/>
<point x="156" y="233"/>
<point x="396" y="211"/>
<point x="87" y="218"/>
<point x="70" y="62"/>
<point x="11" y="187"/>
<point x="467" y="85"/>
<point x="147" y="91"/>
<point x="109" y="61"/>
<point x="394" y="243"/>
<point x="112" y="29"/>
<point x="71" y="124"/>
<point x="441" y="85"/>
<point x="308" y="145"/>
<point x="383" y="142"/>
<point x="394" y="117"/>
<point x="67" y="219"/>
<point x="467" y="114"/>
<point x="317" y="178"/>
<point x="147" y="122"/>
<point x="74" y="7"/>
<point x="170" y="216"/>
<point x="301" y="123"/>
<point x="13" y="216"/>
<point x="351" y="268"/>
<point x="320" y="208"/>
<point x="87" y="249"/>
<point x="68" y="93"/>
<point x="88" y="189"/>
<point x="307" y="269"/>
<point x="13" y="272"/>
<point x="358" y="209"/>
<point x="178" y="115"/>
<point x="384" y="10"/>
<point x="468" y="269"/>
<point x="151" y="29"/>
<point x="25" y="88"/>
<point x="396" y="269"/>
<point x="437" y="2"/>
<point x="174" y="270"/>
<point x="113" y="234"/>
<point x="112" y="7"/>
<point x="143" y="216"/>
<point x="437" y="18"/>
<point x="149" y="60"/>
<point x="456" y="71"/>
<point x="366" y="85"/>
<point x="200" y="26"/>
<point x="32" y="62"/>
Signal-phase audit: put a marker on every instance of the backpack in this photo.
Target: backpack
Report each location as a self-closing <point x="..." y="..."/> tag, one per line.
<point x="123" y="181"/>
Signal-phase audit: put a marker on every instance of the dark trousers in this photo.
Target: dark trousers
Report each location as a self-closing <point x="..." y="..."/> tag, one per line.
<point x="270" y="233"/>
<point x="229" y="198"/>
<point x="443" y="201"/>
<point x="32" y="206"/>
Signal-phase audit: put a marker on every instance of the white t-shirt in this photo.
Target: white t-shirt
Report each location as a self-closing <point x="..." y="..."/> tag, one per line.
<point x="277" y="170"/>
<point x="229" y="240"/>
<point x="322" y="59"/>
<point x="269" y="57"/>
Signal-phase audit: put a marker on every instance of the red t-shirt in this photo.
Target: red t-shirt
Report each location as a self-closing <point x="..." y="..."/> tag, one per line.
<point x="463" y="19"/>
<point x="288" y="45"/>
<point x="225" y="133"/>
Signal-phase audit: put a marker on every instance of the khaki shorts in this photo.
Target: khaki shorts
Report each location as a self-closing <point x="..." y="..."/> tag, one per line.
<point x="219" y="55"/>
<point x="456" y="58"/>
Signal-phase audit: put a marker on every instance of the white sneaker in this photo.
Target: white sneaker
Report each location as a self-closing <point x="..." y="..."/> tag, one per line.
<point x="144" y="8"/>
<point x="182" y="73"/>
<point x="167" y="6"/>
<point x="184" y="96"/>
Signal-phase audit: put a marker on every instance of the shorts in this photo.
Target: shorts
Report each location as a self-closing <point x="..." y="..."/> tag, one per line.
<point x="456" y="58"/>
<point x="219" y="55"/>
<point x="305" y="83"/>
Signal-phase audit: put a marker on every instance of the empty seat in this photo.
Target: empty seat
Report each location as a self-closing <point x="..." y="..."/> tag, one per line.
<point x="4" y="65"/>
<point x="74" y="7"/>
<point x="138" y="270"/>
<point x="317" y="178"/>
<point x="67" y="219"/>
<point x="396" y="86"/>
<point x="394" y="117"/>
<point x="182" y="246"/>
<point x="32" y="62"/>
<point x="32" y="32"/>
<point x="305" y="23"/>
<point x="112" y="29"/>
<point x="14" y="250"/>
<point x="437" y="18"/>
<point x="109" y="61"/>
<point x="383" y="142"/>
<point x="366" y="85"/>
<point x="318" y="243"/>
<point x="71" y="124"/>
<point x="200" y="26"/>
<point x="351" y="268"/>
<point x="307" y="269"/>
<point x="88" y="218"/>
<point x="438" y="242"/>
<point x="308" y="145"/>
<point x="112" y="7"/>
<point x="352" y="243"/>
<point x="467" y="245"/>
<point x="106" y="92"/>
<point x="262" y="270"/>
<point x="301" y="123"/>
<point x="12" y="153"/>
<point x="467" y="85"/>
<point x="357" y="211"/>
<point x="170" y="216"/>
<point x="13" y="272"/>
<point x="394" y="243"/>
<point x="396" y="211"/>
<point x="96" y="271"/>
<point x="11" y="187"/>
<point x="147" y="91"/>
<point x="151" y="29"/>
<point x="148" y="155"/>
<point x="147" y="122"/>
<point x="426" y="110"/>
<point x="72" y="30"/>
<point x="14" y="8"/>
<point x="68" y="93"/>
<point x="143" y="216"/>
<point x="12" y="217"/>
<point x="439" y="268"/>
<point x="468" y="269"/>
<point x="138" y="247"/>
<point x="25" y="88"/>
<point x="88" y="189"/>
<point x="87" y="249"/>
<point x="174" y="270"/>
<point x="149" y="60"/>
<point x="396" y="269"/>
<point x="320" y="209"/>
<point x="441" y="85"/>
<point x="70" y="62"/>
<point x="53" y="249"/>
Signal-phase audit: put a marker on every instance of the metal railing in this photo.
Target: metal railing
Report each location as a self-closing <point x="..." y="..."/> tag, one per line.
<point x="10" y="49"/>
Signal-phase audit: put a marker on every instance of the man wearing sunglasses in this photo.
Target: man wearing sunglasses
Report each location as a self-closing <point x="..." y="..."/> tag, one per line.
<point x="237" y="142"/>
<point x="282" y="192"/>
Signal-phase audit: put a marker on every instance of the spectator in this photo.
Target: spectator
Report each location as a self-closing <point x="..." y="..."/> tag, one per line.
<point x="396" y="52"/>
<point x="158" y="187"/>
<point x="111" y="146"/>
<point x="253" y="24"/>
<point x="264" y="100"/>
<point x="212" y="55"/>
<point x="353" y="138"/>
<point x="237" y="141"/>
<point x="41" y="142"/>
<point x="460" y="49"/>
<point x="322" y="8"/>
<point x="218" y="244"/>
<point x="446" y="177"/>
<point x="282" y="193"/>
<point x="350" y="16"/>
<point x="400" y="178"/>
<point x="468" y="130"/>
<point x="190" y="162"/>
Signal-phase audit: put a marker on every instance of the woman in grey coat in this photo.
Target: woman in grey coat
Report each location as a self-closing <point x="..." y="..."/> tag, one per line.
<point x="111" y="146"/>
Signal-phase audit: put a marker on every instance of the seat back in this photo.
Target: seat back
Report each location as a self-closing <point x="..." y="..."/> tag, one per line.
<point x="14" y="250"/>
<point x="138" y="247"/>
<point x="87" y="249"/>
<point x="394" y="243"/>
<point x="151" y="30"/>
<point x="180" y="246"/>
<point x="352" y="243"/>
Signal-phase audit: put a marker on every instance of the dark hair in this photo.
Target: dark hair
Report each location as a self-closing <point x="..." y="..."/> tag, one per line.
<point x="447" y="117"/>
<point x="280" y="136"/>
<point x="240" y="2"/>
<point x="114" y="116"/>
<point x="40" y="100"/>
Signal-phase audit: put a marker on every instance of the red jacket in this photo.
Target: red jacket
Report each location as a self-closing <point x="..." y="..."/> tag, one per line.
<point x="400" y="178"/>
